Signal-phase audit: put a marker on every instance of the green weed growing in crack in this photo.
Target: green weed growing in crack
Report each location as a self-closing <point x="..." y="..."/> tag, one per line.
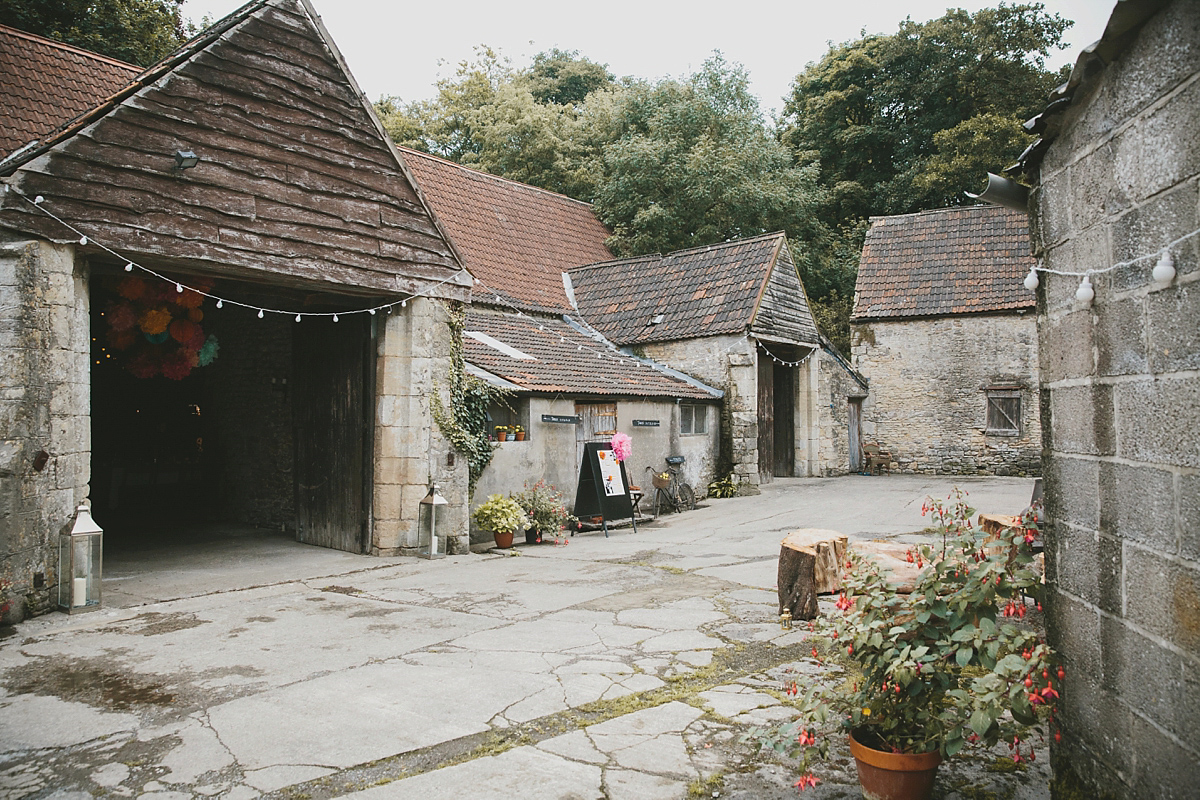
<point x="706" y="787"/>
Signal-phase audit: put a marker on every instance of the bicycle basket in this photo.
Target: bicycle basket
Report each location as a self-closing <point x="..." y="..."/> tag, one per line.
<point x="661" y="480"/>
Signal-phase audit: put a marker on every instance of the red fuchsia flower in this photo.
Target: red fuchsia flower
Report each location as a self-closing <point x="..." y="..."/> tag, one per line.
<point x="1058" y="736"/>
<point x="1060" y="673"/>
<point x="806" y="781"/>
<point x="908" y="556"/>
<point x="1049" y="692"/>
<point x="849" y="649"/>
<point x="1039" y="608"/>
<point x="806" y="738"/>
<point x="815" y="653"/>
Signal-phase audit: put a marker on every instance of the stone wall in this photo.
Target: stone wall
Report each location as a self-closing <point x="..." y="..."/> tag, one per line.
<point x="1121" y="400"/>
<point x="835" y="387"/>
<point x="928" y="403"/>
<point x="44" y="406"/>
<point x="552" y="453"/>
<point x="728" y="363"/>
<point x="414" y="360"/>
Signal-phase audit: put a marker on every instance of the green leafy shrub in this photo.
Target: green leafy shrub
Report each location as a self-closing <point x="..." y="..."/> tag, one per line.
<point x="724" y="487"/>
<point x="543" y="506"/>
<point x="500" y="514"/>
<point x="943" y="667"/>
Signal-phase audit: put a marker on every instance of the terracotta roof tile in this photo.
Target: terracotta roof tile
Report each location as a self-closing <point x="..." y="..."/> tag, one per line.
<point x="704" y="291"/>
<point x="46" y="83"/>
<point x="949" y="261"/>
<point x="564" y="359"/>
<point x="517" y="239"/>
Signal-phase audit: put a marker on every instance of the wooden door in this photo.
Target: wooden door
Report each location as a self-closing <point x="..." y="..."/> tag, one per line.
<point x="785" y="421"/>
<point x="766" y="417"/>
<point x="332" y="419"/>
<point x="856" y="434"/>
<point x="597" y="423"/>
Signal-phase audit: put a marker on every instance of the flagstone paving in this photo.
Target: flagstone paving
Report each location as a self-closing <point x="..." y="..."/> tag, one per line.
<point x="617" y="668"/>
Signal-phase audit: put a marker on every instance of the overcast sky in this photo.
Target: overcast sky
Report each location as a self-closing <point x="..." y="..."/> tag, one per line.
<point x="402" y="48"/>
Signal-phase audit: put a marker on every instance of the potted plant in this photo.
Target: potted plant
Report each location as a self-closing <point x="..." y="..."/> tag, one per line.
<point x="545" y="511"/>
<point x="944" y="667"/>
<point x="520" y="432"/>
<point x="502" y="516"/>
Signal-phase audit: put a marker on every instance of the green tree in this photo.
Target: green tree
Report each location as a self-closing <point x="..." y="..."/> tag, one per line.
<point x="565" y="78"/>
<point x="870" y="110"/>
<point x="693" y="163"/>
<point x="137" y="31"/>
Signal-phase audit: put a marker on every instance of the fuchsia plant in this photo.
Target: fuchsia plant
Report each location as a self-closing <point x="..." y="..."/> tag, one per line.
<point x="943" y="667"/>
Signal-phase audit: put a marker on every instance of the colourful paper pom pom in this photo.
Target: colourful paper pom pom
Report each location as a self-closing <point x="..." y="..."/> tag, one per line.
<point x="121" y="316"/>
<point x="182" y="330"/>
<point x="177" y="365"/>
<point x="122" y="340"/>
<point x="195" y="314"/>
<point x="208" y="353"/>
<point x="144" y="365"/>
<point x="157" y="338"/>
<point x="622" y="446"/>
<point x="189" y="299"/>
<point x="132" y="287"/>
<point x="154" y="321"/>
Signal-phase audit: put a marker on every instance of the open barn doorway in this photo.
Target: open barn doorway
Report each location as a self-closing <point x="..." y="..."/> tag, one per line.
<point x="211" y="425"/>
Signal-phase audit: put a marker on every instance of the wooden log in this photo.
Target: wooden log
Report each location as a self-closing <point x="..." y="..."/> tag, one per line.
<point x="809" y="564"/>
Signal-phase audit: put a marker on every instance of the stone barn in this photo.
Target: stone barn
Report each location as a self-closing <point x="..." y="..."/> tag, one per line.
<point x="945" y="334"/>
<point x="223" y="299"/>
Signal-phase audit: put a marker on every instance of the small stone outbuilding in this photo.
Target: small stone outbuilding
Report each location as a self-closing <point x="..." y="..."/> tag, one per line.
<point x="1116" y="177"/>
<point x="734" y="315"/>
<point x="944" y="332"/>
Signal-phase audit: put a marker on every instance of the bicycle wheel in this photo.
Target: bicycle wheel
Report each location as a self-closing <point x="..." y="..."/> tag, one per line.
<point x="687" y="497"/>
<point x="662" y="502"/>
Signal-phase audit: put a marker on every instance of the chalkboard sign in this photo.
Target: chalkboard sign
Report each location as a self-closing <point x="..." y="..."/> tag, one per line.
<point x="603" y="486"/>
<point x="645" y="423"/>
<point x="560" y="418"/>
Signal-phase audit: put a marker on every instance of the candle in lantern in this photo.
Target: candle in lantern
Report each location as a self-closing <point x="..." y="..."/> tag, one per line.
<point x="79" y="592"/>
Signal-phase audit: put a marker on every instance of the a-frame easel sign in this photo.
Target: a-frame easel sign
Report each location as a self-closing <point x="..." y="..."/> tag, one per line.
<point x="603" y="486"/>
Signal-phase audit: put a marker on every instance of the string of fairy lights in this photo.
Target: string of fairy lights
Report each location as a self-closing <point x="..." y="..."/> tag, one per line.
<point x="497" y="297"/>
<point x="1162" y="273"/>
<point x="131" y="265"/>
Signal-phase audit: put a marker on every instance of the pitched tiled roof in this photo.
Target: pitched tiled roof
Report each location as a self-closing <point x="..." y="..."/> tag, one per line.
<point x="45" y="83"/>
<point x="565" y="359"/>
<point x="950" y="261"/>
<point x="516" y="239"/>
<point x="703" y="291"/>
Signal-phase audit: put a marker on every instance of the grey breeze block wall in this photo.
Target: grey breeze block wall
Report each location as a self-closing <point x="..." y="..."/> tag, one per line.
<point x="44" y="406"/>
<point x="928" y="399"/>
<point x="1121" y="400"/>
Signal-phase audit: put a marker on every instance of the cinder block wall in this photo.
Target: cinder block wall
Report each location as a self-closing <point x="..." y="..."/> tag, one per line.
<point x="1121" y="410"/>
<point x="45" y="398"/>
<point x="928" y="400"/>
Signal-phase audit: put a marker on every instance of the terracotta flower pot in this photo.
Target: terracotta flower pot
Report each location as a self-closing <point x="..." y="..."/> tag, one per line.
<point x="520" y="436"/>
<point x="503" y="540"/>
<point x="894" y="776"/>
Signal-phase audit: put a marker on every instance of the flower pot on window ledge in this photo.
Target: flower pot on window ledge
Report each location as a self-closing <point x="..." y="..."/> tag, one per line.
<point x="521" y="436"/>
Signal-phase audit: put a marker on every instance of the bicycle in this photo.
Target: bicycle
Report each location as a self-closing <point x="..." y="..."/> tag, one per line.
<point x="669" y="491"/>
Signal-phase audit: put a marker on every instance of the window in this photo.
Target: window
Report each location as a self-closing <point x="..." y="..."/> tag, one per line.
<point x="1004" y="411"/>
<point x="693" y="418"/>
<point x="509" y="416"/>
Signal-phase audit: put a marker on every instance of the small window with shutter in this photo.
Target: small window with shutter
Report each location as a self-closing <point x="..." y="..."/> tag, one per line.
<point x="1004" y="411"/>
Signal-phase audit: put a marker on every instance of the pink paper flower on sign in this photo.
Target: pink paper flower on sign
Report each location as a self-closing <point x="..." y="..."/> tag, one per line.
<point x="622" y="446"/>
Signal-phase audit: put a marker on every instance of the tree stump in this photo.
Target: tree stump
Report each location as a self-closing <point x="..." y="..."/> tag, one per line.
<point x="809" y="565"/>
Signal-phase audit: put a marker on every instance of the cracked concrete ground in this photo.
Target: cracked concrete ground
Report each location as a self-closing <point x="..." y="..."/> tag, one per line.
<point x="609" y="668"/>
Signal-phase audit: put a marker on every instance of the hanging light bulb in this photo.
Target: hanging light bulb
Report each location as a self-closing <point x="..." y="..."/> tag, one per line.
<point x="404" y="303"/>
<point x="371" y="312"/>
<point x="297" y="318"/>
<point x="260" y="313"/>
<point x="1164" y="270"/>
<point x="220" y="303"/>
<point x="335" y="319"/>
<point x="1031" y="280"/>
<point x="83" y="240"/>
<point x="179" y="288"/>
<point x="129" y="267"/>
<point x="1085" y="293"/>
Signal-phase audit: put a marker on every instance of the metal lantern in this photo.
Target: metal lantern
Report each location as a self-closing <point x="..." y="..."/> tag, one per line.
<point x="432" y="501"/>
<point x="79" y="564"/>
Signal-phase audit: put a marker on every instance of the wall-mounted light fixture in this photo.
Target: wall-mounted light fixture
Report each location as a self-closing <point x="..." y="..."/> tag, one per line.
<point x="185" y="159"/>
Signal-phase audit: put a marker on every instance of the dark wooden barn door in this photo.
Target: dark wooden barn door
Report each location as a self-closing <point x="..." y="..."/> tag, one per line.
<point x="597" y="423"/>
<point x="785" y="421"/>
<point x="766" y="417"/>
<point x="332" y="418"/>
